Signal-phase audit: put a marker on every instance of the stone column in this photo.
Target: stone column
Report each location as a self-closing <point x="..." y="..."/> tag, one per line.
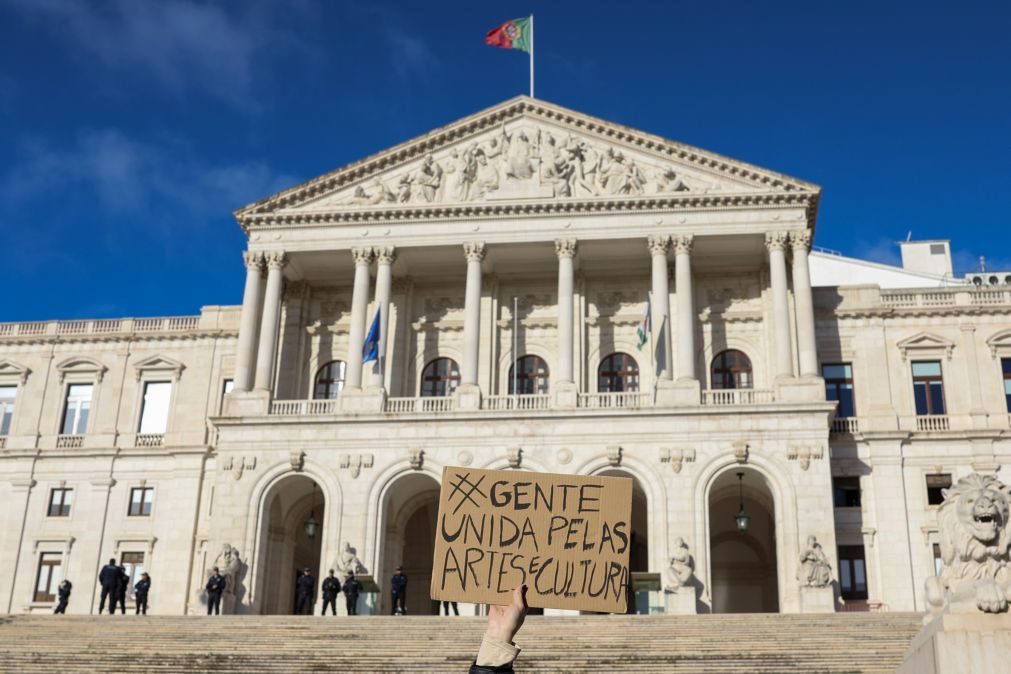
<point x="658" y="246"/>
<point x="469" y="393"/>
<point x="776" y="243"/>
<point x="807" y="348"/>
<point x="685" y="308"/>
<point x="564" y="384"/>
<point x="267" y="352"/>
<point x="977" y="410"/>
<point x="359" y="307"/>
<point x="249" y="322"/>
<point x="385" y="257"/>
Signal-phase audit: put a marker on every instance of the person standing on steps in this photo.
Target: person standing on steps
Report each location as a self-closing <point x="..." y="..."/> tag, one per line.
<point x="121" y="587"/>
<point x="399" y="586"/>
<point x="140" y="591"/>
<point x="63" y="591"/>
<point x="331" y="588"/>
<point x="447" y="604"/>
<point x="108" y="578"/>
<point x="305" y="586"/>
<point x="351" y="590"/>
<point x="215" y="587"/>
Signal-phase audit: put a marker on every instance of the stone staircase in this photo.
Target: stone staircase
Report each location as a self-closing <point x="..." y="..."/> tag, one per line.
<point x="846" y="642"/>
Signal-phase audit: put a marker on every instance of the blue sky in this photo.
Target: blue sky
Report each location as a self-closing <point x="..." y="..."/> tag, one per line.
<point x="133" y="128"/>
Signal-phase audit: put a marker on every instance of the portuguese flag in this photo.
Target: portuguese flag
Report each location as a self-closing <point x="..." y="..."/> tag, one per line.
<point x="513" y="34"/>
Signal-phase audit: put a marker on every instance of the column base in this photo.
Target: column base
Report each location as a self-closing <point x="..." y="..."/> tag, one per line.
<point x="968" y="642"/>
<point x="817" y="599"/>
<point x="247" y="403"/>
<point x="359" y="401"/>
<point x="687" y="392"/>
<point x="681" y="602"/>
<point x="565" y="395"/>
<point x="800" y="389"/>
<point x="468" y="397"/>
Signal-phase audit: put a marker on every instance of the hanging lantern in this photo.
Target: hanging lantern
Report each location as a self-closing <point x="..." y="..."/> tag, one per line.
<point x="742" y="519"/>
<point x="311" y="525"/>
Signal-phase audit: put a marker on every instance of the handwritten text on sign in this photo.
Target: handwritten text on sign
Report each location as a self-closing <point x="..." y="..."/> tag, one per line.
<point x="566" y="536"/>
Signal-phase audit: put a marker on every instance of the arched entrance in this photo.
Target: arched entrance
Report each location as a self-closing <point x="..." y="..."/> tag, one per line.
<point x="638" y="559"/>
<point x="286" y="548"/>
<point x="410" y="512"/>
<point x="743" y="574"/>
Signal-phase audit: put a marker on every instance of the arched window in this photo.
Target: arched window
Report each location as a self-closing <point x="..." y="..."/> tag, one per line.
<point x="731" y="369"/>
<point x="440" y="378"/>
<point x="531" y="376"/>
<point x="329" y="380"/>
<point x="618" y="373"/>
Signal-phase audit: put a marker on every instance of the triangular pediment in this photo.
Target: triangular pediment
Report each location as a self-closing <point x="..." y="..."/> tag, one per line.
<point x="1000" y="344"/>
<point x="161" y="365"/>
<point x="925" y="344"/>
<point x="525" y="150"/>
<point x="79" y="365"/>
<point x="9" y="371"/>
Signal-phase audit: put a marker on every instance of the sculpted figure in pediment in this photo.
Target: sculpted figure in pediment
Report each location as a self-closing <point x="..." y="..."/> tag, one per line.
<point x="426" y="180"/>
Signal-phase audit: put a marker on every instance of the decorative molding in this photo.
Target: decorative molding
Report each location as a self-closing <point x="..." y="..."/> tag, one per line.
<point x="658" y="244"/>
<point x="926" y="344"/>
<point x="79" y="365"/>
<point x="869" y="533"/>
<point x="238" y="464"/>
<point x="275" y="259"/>
<point x="474" y="251"/>
<point x="677" y="457"/>
<point x="999" y="343"/>
<point x="416" y="457"/>
<point x="10" y="369"/>
<point x="385" y="254"/>
<point x="804" y="455"/>
<point x="776" y="240"/>
<point x="514" y="455"/>
<point x="65" y="542"/>
<point x="683" y="244"/>
<point x="564" y="456"/>
<point x="565" y="248"/>
<point x="741" y="451"/>
<point x="801" y="240"/>
<point x="614" y="455"/>
<point x="297" y="459"/>
<point x="161" y="364"/>
<point x="354" y="463"/>
<point x="362" y="256"/>
<point x="253" y="260"/>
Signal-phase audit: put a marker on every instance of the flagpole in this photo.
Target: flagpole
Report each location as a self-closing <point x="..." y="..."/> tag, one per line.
<point x="652" y="347"/>
<point x="516" y="322"/>
<point x="531" y="56"/>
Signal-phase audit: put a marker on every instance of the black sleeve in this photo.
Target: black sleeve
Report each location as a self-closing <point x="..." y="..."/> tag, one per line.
<point x="501" y="669"/>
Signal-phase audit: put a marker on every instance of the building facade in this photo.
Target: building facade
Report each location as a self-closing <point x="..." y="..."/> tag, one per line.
<point x="504" y="266"/>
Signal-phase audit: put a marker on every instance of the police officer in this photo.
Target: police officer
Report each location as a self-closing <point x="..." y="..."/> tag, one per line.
<point x="305" y="585"/>
<point x="140" y="591"/>
<point x="121" y="587"/>
<point x="108" y="578"/>
<point x="64" y="593"/>
<point x="331" y="588"/>
<point x="351" y="590"/>
<point x="215" y="587"/>
<point x="399" y="587"/>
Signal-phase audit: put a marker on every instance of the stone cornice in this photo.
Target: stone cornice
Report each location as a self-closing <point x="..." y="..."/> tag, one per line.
<point x="121" y="338"/>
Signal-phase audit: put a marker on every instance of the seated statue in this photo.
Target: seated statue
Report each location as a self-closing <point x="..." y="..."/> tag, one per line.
<point x="348" y="562"/>
<point x="815" y="570"/>
<point x="681" y="569"/>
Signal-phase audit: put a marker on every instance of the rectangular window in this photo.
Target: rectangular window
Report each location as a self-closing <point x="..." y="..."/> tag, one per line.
<point x="141" y="500"/>
<point x="839" y="387"/>
<point x="225" y="390"/>
<point x="1005" y="366"/>
<point x="928" y="387"/>
<point x="846" y="492"/>
<point x="49" y="576"/>
<point x="60" y="500"/>
<point x="852" y="572"/>
<point x="935" y="485"/>
<point x="8" y="394"/>
<point x="134" y="564"/>
<point x="155" y="408"/>
<point x="76" y="408"/>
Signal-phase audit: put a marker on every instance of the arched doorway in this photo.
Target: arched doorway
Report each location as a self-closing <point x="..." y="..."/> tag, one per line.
<point x="410" y="512"/>
<point x="286" y="548"/>
<point x="638" y="558"/>
<point x="743" y="575"/>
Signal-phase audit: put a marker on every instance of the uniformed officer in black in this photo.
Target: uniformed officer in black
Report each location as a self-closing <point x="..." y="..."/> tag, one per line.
<point x="399" y="587"/>
<point x="108" y="578"/>
<point x="140" y="591"/>
<point x="331" y="588"/>
<point x="121" y="587"/>
<point x="64" y="593"/>
<point x="351" y="590"/>
<point x="215" y="586"/>
<point x="305" y="586"/>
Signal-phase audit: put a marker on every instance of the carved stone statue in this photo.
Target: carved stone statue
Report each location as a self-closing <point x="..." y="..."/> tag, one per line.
<point x="681" y="569"/>
<point x="348" y="562"/>
<point x="975" y="537"/>
<point x="229" y="565"/>
<point x="815" y="571"/>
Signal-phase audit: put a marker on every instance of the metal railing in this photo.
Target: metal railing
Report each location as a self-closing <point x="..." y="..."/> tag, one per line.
<point x="737" y="396"/>
<point x="627" y="399"/>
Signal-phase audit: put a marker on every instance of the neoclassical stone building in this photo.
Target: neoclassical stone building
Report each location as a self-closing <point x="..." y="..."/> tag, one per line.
<point x="510" y="258"/>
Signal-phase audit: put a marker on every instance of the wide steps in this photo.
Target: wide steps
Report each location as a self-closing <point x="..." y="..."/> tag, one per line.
<point x="831" y="643"/>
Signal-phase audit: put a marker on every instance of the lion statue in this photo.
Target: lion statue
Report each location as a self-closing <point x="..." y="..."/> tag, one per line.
<point x="975" y="537"/>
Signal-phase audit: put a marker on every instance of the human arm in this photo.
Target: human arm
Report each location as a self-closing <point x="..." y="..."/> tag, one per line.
<point x="498" y="651"/>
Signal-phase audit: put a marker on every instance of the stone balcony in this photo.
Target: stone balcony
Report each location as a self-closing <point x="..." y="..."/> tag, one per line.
<point x="860" y="298"/>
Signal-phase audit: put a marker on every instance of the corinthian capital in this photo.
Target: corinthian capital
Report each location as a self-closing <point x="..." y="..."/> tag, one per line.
<point x="386" y="254"/>
<point x="275" y="259"/>
<point x="683" y="244"/>
<point x="253" y="260"/>
<point x="565" y="248"/>
<point x="362" y="255"/>
<point x="801" y="240"/>
<point x="474" y="251"/>
<point x="658" y="244"/>
<point x="776" y="240"/>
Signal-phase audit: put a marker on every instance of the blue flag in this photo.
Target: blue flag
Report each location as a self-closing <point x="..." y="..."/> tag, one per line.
<point x="370" y="349"/>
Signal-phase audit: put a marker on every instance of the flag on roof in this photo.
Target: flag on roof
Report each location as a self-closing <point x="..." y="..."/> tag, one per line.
<point x="515" y="34"/>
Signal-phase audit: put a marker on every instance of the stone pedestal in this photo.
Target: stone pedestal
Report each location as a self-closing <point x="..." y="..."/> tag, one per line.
<point x="247" y="403"/>
<point x="565" y="395"/>
<point x="681" y="602"/>
<point x="957" y="643"/>
<point x="817" y="600"/>
<point x="369" y="401"/>
<point x="800" y="389"/>
<point x="468" y="397"/>
<point x="666" y="395"/>
<point x="687" y="393"/>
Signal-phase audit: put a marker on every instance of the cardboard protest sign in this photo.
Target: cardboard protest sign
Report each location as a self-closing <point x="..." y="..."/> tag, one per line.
<point x="566" y="536"/>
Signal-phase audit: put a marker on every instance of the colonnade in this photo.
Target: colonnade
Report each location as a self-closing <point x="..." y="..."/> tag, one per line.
<point x="261" y="306"/>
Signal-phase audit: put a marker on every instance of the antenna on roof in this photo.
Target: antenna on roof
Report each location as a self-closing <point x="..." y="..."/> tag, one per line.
<point x="909" y="236"/>
<point x="982" y="263"/>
